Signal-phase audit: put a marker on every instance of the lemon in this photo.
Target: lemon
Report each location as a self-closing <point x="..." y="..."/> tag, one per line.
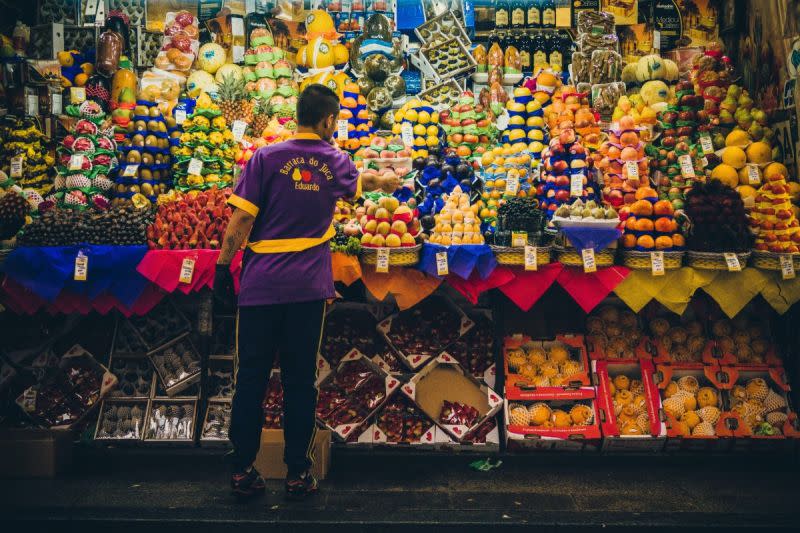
<point x="419" y="129"/>
<point x="411" y="115"/>
<point x="725" y="173"/>
<point x="433" y="131"/>
<point x="734" y="156"/>
<point x="423" y="117"/>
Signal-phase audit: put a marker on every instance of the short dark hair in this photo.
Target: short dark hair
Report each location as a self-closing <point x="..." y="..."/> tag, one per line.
<point x="316" y="102"/>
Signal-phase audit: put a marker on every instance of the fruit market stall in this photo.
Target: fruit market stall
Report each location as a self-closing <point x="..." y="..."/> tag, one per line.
<point x="563" y="243"/>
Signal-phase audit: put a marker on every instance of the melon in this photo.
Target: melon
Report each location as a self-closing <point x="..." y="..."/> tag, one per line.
<point x="211" y="57"/>
<point x="199" y="81"/>
<point x="320" y="54"/>
<point x="228" y="69"/>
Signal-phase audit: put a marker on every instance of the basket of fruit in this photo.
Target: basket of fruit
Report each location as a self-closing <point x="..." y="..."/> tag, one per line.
<point x="403" y="256"/>
<point x="715" y="260"/>
<point x="772" y="260"/>
<point x="515" y="256"/>
<point x="637" y="260"/>
<point x="571" y="257"/>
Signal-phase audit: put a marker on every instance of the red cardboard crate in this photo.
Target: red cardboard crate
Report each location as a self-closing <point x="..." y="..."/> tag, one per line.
<point x="650" y="439"/>
<point x="519" y="387"/>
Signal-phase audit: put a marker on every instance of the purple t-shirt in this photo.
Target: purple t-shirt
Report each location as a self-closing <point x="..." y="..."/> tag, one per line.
<point x="291" y="188"/>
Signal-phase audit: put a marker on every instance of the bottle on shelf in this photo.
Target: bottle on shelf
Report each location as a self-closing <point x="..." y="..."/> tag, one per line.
<point x="556" y="57"/>
<point x="534" y="16"/>
<point x="517" y="14"/>
<point x="502" y="18"/>
<point x="524" y="47"/>
<point x="494" y="37"/>
<point x="539" y="55"/>
<point x="548" y="13"/>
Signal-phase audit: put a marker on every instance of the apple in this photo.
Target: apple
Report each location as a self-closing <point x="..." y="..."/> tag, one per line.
<point x="562" y="195"/>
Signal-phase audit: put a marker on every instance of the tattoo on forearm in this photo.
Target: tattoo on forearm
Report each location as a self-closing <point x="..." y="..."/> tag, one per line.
<point x="233" y="240"/>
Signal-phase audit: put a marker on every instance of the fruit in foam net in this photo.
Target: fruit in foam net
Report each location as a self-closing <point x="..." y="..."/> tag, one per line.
<point x="762" y="410"/>
<point x="693" y="408"/>
<point x="546" y="366"/>
<point x="542" y="415"/>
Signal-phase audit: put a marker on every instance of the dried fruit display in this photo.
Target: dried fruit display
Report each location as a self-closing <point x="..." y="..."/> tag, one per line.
<point x="190" y="221"/>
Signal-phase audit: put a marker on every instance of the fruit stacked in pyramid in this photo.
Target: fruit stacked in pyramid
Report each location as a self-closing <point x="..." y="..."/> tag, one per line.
<point x="470" y="127"/>
<point x="526" y="121"/>
<point x="428" y="134"/>
<point x="207" y="139"/>
<point x="772" y="218"/>
<point x="651" y="224"/>
<point x="353" y="110"/>
<point x="269" y="74"/>
<point x="624" y="166"/>
<point x="458" y="222"/>
<point x="21" y="138"/>
<point x="389" y="223"/>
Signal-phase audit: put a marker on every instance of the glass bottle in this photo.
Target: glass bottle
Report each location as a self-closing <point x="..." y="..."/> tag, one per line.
<point x="502" y="16"/>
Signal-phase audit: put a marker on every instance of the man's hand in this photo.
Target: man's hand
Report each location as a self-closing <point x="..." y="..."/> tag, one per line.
<point x="224" y="295"/>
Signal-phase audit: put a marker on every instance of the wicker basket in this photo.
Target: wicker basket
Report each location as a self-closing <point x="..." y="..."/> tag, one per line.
<point x="772" y="261"/>
<point x="636" y="260"/>
<point x="515" y="256"/>
<point x="397" y="256"/>
<point x="571" y="257"/>
<point x="713" y="260"/>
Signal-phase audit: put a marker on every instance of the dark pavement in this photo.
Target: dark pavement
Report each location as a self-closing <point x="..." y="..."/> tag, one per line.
<point x="186" y="490"/>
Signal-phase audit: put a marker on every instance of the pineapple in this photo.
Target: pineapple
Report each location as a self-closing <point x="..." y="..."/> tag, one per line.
<point x="260" y="116"/>
<point x="233" y="100"/>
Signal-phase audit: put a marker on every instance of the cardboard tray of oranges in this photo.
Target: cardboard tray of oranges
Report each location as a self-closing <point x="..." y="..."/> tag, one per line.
<point x="537" y="369"/>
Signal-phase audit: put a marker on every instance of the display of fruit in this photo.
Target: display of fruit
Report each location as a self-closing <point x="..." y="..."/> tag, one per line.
<point x="346" y="329"/>
<point x="520" y="215"/>
<point x="744" y="338"/>
<point x="386" y="166"/>
<point x="651" y="224"/>
<point x="189" y="221"/>
<point x="439" y="176"/>
<point x="389" y="223"/>
<point x="643" y="115"/>
<point x="426" y="127"/>
<point x="629" y="401"/>
<point x="612" y="333"/>
<point x="459" y="414"/>
<point x="470" y="128"/>
<point x="737" y="110"/>
<point x="268" y="77"/>
<point x="119" y="225"/>
<point x="376" y="59"/>
<point x="692" y="405"/>
<point x="623" y="163"/>
<point x="526" y="122"/>
<point x="587" y="212"/>
<point x="682" y="343"/>
<point x="539" y="364"/>
<point x="342" y="242"/>
<point x="718" y="219"/>
<point x="22" y="137"/>
<point x="507" y="171"/>
<point x="458" y="222"/>
<point x="552" y="415"/>
<point x="760" y="405"/>
<point x="359" y="125"/>
<point x="474" y="351"/>
<point x="772" y="217"/>
<point x="273" y="403"/>
<point x="402" y="421"/>
<point x="233" y="100"/>
<point x="14" y="208"/>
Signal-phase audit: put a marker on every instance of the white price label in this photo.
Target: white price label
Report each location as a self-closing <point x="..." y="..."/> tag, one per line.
<point x="787" y="266"/>
<point x="633" y="169"/>
<point x="16" y="166"/>
<point x="341" y="130"/>
<point x="195" y="166"/>
<point x="576" y="185"/>
<point x="442" y="268"/>
<point x="657" y="263"/>
<point x="382" y="260"/>
<point x="75" y="162"/>
<point x="706" y="145"/>
<point x="238" y="53"/>
<point x="77" y="95"/>
<point x="56" y="104"/>
<point x="536" y="173"/>
<point x="531" y="258"/>
<point x="753" y="175"/>
<point x="180" y="116"/>
<point x="407" y="133"/>
<point x="589" y="264"/>
<point x="656" y="41"/>
<point x="519" y="238"/>
<point x="32" y="105"/>
<point x="81" y="267"/>
<point x="130" y="171"/>
<point x="687" y="167"/>
<point x="187" y="270"/>
<point x="238" y="128"/>
<point x="704" y="162"/>
<point x="512" y="186"/>
<point x="733" y="262"/>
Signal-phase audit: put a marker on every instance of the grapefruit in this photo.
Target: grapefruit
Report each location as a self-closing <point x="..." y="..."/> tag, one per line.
<point x="737" y="138"/>
<point x="725" y="173"/>
<point x="774" y="170"/>
<point x="759" y="153"/>
<point x="734" y="156"/>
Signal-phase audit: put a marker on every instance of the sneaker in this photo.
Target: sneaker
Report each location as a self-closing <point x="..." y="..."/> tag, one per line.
<point x="247" y="484"/>
<point x="300" y="487"/>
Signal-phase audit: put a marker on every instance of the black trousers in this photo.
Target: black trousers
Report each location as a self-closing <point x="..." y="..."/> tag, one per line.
<point x="294" y="332"/>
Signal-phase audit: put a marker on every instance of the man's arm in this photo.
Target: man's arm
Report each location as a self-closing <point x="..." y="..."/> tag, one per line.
<point x="235" y="234"/>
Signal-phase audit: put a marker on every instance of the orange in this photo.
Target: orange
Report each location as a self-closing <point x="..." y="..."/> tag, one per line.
<point x="665" y="225"/>
<point x="663" y="243"/>
<point x="646" y="241"/>
<point x="629" y="240"/>
<point x="678" y="240"/>
<point x="644" y="224"/>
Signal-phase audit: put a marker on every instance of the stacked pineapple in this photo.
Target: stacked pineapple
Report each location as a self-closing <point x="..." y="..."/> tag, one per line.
<point x="694" y="408"/>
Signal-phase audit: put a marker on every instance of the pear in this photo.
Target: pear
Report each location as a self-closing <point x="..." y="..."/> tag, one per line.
<point x="597" y="213"/>
<point x="577" y="203"/>
<point x="562" y="212"/>
<point x="576" y="212"/>
<point x="745" y="101"/>
<point x="756" y="131"/>
<point x="587" y="213"/>
<point x="728" y="104"/>
<point x="734" y="91"/>
<point x="611" y="214"/>
<point x="725" y="117"/>
<point x="591" y="204"/>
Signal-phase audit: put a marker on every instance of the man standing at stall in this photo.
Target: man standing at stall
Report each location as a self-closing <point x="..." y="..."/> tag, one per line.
<point x="284" y="203"/>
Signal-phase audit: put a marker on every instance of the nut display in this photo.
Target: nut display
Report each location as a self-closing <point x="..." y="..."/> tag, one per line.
<point x="121" y="421"/>
<point x="170" y="420"/>
<point x="135" y="378"/>
<point x="217" y="422"/>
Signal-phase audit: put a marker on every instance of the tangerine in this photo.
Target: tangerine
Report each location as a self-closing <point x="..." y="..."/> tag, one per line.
<point x="645" y="241"/>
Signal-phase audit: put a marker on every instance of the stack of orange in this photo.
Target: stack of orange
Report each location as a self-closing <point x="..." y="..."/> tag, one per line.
<point x="651" y="224"/>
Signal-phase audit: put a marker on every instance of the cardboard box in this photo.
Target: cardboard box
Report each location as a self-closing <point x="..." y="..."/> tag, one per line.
<point x="613" y="440"/>
<point x="42" y="453"/>
<point x="519" y="387"/>
<point x="445" y="380"/>
<point x="269" y="461"/>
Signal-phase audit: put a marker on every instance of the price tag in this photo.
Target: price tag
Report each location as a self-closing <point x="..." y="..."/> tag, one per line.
<point x="657" y="263"/>
<point x="407" y="133"/>
<point x="180" y="116"/>
<point x="75" y="162"/>
<point x="733" y="262"/>
<point x="130" y="171"/>
<point x="56" y="104"/>
<point x="512" y="186"/>
<point x="704" y="162"/>
<point x="576" y="185"/>
<point x="238" y="128"/>
<point x="16" y="166"/>
<point x="753" y="175"/>
<point x="589" y="264"/>
<point x="382" y="260"/>
<point x="656" y="41"/>
<point x="519" y="238"/>
<point x="77" y="95"/>
<point x="706" y="145"/>
<point x="531" y="258"/>
<point x="633" y="169"/>
<point x="32" y="104"/>
<point x="442" y="268"/>
<point x="195" y="166"/>
<point x="238" y="53"/>
<point x="536" y="173"/>
<point x="81" y="266"/>
<point x="187" y="270"/>
<point x="687" y="168"/>
<point x="787" y="266"/>
<point x="341" y="130"/>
